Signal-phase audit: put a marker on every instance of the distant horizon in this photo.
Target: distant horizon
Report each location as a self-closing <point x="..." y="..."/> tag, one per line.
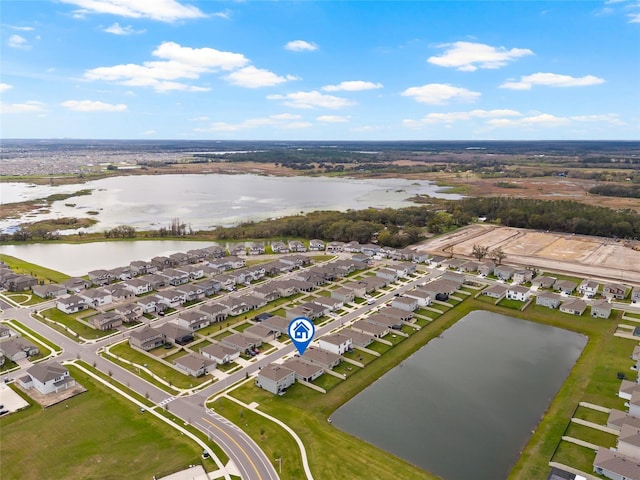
<point x="220" y="140"/>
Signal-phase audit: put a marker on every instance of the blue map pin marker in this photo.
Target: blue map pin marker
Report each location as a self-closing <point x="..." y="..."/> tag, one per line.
<point x="301" y="331"/>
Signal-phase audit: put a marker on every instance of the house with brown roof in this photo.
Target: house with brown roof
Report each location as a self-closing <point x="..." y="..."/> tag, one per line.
<point x="384" y="321"/>
<point x="359" y="338"/>
<point x="629" y="442"/>
<point x="420" y="294"/>
<point x="369" y="328"/>
<point x="275" y="378"/>
<point x="615" y="466"/>
<point x="261" y="332"/>
<point x="105" y="321"/>
<point x="277" y="324"/>
<point x="323" y="358"/>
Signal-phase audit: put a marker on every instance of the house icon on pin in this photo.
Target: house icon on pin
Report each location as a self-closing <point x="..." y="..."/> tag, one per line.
<point x="300" y="331"/>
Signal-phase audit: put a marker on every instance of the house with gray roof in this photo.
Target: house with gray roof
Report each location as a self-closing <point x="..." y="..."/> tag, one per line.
<point x="548" y="299"/>
<point x="359" y="338"/>
<point x="343" y="294"/>
<point x="214" y="311"/>
<point x="277" y="324"/>
<point x="588" y="287"/>
<point x="573" y="306"/>
<point x="146" y="338"/>
<point x="105" y="321"/>
<point x="405" y="302"/>
<point x="420" y="294"/>
<point x="176" y="334"/>
<point x="192" y="319"/>
<point x="543" y="281"/>
<point x="241" y="342"/>
<point x="323" y="358"/>
<point x="516" y="292"/>
<point x="96" y="297"/>
<point x="601" y="309"/>
<point x="18" y="348"/>
<point x="495" y="291"/>
<point x="337" y="343"/>
<point x="332" y="304"/>
<point x="304" y="371"/>
<point x="75" y="284"/>
<point x="614" y="291"/>
<point x="261" y="332"/>
<point x="364" y="326"/>
<point x="615" y="466"/>
<point x="635" y="295"/>
<point x="565" y="286"/>
<point x="504" y="272"/>
<point x="221" y="354"/>
<point x="47" y="378"/>
<point x="50" y="290"/>
<point x="71" y="304"/>
<point x="275" y="378"/>
<point x="194" y="364"/>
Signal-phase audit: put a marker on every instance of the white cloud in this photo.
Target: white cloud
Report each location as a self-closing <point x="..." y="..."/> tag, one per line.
<point x="312" y="99"/>
<point x="551" y="80"/>
<point x="149" y="132"/>
<point x="30" y="106"/>
<point x="252" y="77"/>
<point x="177" y="62"/>
<point x="21" y="29"/>
<point x="452" y="117"/>
<point x="332" y="119"/>
<point x="281" y="120"/>
<point x="226" y="14"/>
<point x="93" y="106"/>
<point x="352" y="86"/>
<point x="541" y="120"/>
<point x="634" y="17"/>
<point x="160" y="10"/>
<point x="116" y="29"/>
<point x="16" y="41"/>
<point x="611" y="118"/>
<point x="4" y="87"/>
<point x="301" y="46"/>
<point x="440" y="94"/>
<point x="469" y="56"/>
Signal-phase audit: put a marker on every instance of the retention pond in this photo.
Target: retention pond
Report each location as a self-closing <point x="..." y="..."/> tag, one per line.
<point x="465" y="405"/>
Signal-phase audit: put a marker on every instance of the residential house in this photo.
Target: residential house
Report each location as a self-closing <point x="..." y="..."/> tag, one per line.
<point x="614" y="291"/>
<point x="286" y="288"/>
<point x="241" y="342"/>
<point x="17" y="283"/>
<point x="332" y="304"/>
<point x="588" y="288"/>
<point x="352" y="247"/>
<point x="522" y="276"/>
<point x="261" y="332"/>
<point x="18" y="348"/>
<point x="369" y="328"/>
<point x="635" y="295"/>
<point x="227" y="282"/>
<point x="516" y="292"/>
<point x="486" y="267"/>
<point x="601" y="309"/>
<point x="119" y="294"/>
<point x="385" y="321"/>
<point x="453" y="277"/>
<point x="268" y="292"/>
<point x="336" y="343"/>
<point x="121" y="273"/>
<point x="629" y="442"/>
<point x="296" y="260"/>
<point x="105" y="321"/>
<point x="176" y="334"/>
<point x="75" y="284"/>
<point x="634" y="403"/>
<point x="215" y="312"/>
<point x="195" y="272"/>
<point x="387" y="274"/>
<point x="324" y="358"/>
<point x="192" y="319"/>
<point x="277" y="324"/>
<point x="101" y="277"/>
<point x="139" y="267"/>
<point x="422" y="296"/>
<point x="297" y="246"/>
<point x="374" y="283"/>
<point x="495" y="291"/>
<point x="403" y="269"/>
<point x="96" y="297"/>
<point x="543" y="281"/>
<point x="615" y="466"/>
<point x="343" y="294"/>
<point x="279" y="246"/>
<point x="469" y="267"/>
<point x="146" y="338"/>
<point x="617" y="418"/>
<point x="419" y="257"/>
<point x="235" y="306"/>
<point x="194" y="364"/>
<point x="627" y="388"/>
<point x="335" y="247"/>
<point x="71" y="304"/>
<point x="565" y="286"/>
<point x="405" y="302"/>
<point x="309" y="310"/>
<point x="256" y="248"/>
<point x="138" y="286"/>
<point x="548" y="299"/>
<point x="574" y="307"/>
<point x="359" y="338"/>
<point x="47" y="378"/>
<point x="191" y="291"/>
<point x="221" y="354"/>
<point x="305" y="372"/>
<point x="156" y="280"/>
<point x="170" y="297"/>
<point x="50" y="290"/>
<point x="504" y="272"/>
<point x="316" y="245"/>
<point x="275" y="378"/>
<point x="180" y="258"/>
<point x="129" y="311"/>
<point x="210" y="287"/>
<point x="175" y="277"/>
<point x="453" y="263"/>
<point x="148" y="304"/>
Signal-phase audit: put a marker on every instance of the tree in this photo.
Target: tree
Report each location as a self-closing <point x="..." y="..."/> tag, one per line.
<point x="480" y="251"/>
<point x="498" y="255"/>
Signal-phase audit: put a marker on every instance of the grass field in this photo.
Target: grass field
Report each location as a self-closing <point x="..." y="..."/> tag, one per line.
<point x="116" y="440"/>
<point x="42" y="273"/>
<point x="70" y="321"/>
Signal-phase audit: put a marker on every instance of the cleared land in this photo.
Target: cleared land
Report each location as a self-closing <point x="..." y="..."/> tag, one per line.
<point x="581" y="255"/>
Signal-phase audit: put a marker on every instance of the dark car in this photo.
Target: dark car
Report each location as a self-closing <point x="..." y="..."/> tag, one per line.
<point x="442" y="297"/>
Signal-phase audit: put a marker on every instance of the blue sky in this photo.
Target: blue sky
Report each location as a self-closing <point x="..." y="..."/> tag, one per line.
<point x="328" y="70"/>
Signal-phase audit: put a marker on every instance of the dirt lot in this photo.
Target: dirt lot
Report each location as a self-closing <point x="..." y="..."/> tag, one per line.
<point x="583" y="256"/>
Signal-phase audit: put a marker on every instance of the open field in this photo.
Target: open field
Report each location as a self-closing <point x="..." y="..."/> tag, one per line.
<point x="580" y="255"/>
<point x="117" y="441"/>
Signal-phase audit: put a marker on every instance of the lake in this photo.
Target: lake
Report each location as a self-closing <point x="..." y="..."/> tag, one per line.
<point x="206" y="201"/>
<point x="464" y="406"/>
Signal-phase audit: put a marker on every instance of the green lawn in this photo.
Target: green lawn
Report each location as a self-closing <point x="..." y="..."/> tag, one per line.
<point x="42" y="273"/>
<point x="574" y="455"/>
<point x="591" y="435"/>
<point x="35" y="335"/>
<point x="590" y="415"/>
<point x="71" y="322"/>
<point x="115" y="440"/>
